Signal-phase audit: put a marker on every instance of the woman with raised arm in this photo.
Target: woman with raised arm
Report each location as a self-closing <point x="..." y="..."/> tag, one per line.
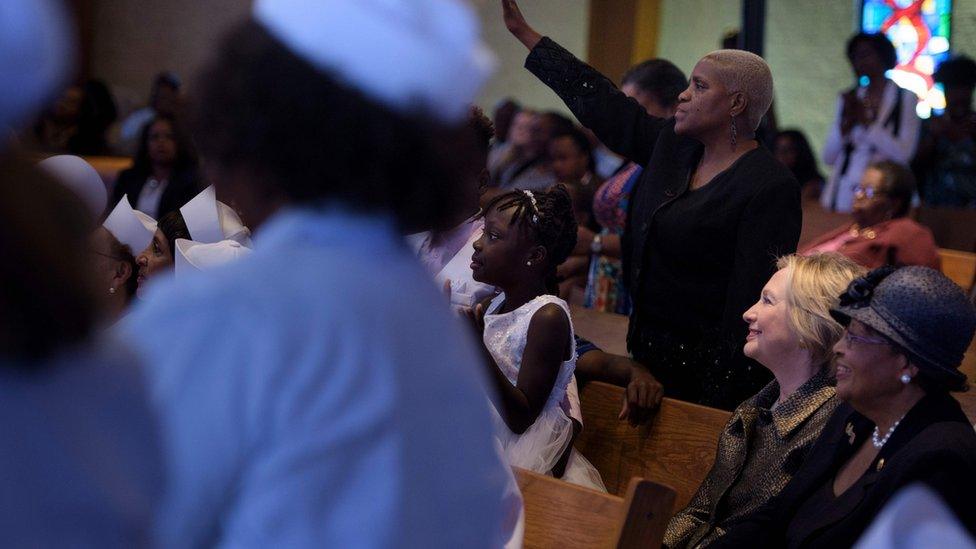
<point x="711" y="209"/>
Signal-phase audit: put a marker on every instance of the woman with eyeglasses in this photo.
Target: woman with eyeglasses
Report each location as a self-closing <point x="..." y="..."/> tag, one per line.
<point x="881" y="232"/>
<point x="907" y="330"/>
<point x="115" y="269"/>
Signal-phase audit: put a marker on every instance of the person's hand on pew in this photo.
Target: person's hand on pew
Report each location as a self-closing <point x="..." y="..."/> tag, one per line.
<point x="644" y="392"/>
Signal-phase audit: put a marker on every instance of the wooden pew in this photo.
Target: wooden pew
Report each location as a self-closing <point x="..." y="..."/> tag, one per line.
<point x="953" y="228"/>
<point x="959" y="266"/>
<point x="109" y="167"/>
<point x="676" y="448"/>
<point x="567" y="516"/>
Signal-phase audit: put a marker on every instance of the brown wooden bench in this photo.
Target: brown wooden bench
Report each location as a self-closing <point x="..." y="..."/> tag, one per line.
<point x="567" y="516"/>
<point x="959" y="266"/>
<point x="109" y="167"/>
<point x="676" y="448"/>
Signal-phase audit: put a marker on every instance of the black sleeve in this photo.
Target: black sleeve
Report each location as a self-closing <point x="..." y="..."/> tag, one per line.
<point x="617" y="120"/>
<point x="769" y="228"/>
<point x="119" y="189"/>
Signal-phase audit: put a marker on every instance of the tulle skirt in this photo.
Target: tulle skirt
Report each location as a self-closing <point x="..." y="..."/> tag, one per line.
<point x="540" y="447"/>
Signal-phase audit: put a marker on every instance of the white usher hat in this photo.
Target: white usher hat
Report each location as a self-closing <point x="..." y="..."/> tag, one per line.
<point x="36" y="54"/>
<point x="131" y="227"/>
<point x="402" y="53"/>
<point x="79" y="176"/>
<point x="210" y="220"/>
<point x="196" y="256"/>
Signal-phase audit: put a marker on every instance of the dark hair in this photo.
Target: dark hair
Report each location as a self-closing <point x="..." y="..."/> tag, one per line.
<point x="96" y="114"/>
<point x="959" y="71"/>
<point x="186" y="158"/>
<point x="46" y="299"/>
<point x="806" y="167"/>
<point x="658" y="77"/>
<point x="899" y="184"/>
<point x="582" y="143"/>
<point x="173" y="226"/>
<point x="559" y="122"/>
<point x="481" y="127"/>
<point x="549" y="222"/>
<point x="122" y="252"/>
<point x="166" y="78"/>
<point x="879" y="42"/>
<point x="314" y="139"/>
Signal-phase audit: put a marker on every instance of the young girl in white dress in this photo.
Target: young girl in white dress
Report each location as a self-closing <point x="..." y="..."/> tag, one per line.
<point x="527" y="332"/>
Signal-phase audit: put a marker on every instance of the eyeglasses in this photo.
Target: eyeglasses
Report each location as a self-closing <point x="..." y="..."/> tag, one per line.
<point x="850" y="339"/>
<point x="103" y="254"/>
<point x="868" y="192"/>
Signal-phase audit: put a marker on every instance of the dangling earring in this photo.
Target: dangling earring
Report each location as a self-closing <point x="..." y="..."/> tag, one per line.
<point x="111" y="290"/>
<point x="906" y="379"/>
<point x="733" y="128"/>
<point x="529" y="263"/>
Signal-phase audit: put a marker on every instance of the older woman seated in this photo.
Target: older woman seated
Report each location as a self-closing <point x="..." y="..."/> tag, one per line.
<point x="882" y="234"/>
<point x="790" y="333"/>
<point x="907" y="331"/>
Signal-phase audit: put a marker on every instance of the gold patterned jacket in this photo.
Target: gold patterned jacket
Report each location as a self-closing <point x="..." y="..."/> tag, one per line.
<point x="758" y="453"/>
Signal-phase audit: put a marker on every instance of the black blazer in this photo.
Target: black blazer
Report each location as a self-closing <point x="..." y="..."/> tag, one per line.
<point x="934" y="444"/>
<point x="694" y="274"/>
<point x="183" y="186"/>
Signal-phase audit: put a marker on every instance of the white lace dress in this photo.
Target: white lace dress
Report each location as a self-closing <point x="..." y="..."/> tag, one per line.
<point x="540" y="447"/>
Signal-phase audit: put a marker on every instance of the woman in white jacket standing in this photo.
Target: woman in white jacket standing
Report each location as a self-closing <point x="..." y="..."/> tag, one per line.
<point x="875" y="121"/>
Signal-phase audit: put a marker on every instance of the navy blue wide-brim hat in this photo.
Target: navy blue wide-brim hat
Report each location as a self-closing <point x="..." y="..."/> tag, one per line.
<point x="920" y="310"/>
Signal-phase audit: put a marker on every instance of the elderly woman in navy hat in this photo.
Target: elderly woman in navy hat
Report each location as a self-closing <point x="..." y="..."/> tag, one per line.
<point x="907" y="331"/>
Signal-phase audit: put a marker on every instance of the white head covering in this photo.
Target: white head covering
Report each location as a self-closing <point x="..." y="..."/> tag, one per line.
<point x="402" y="53"/>
<point x="209" y="220"/>
<point x="79" y="176"/>
<point x="196" y="256"/>
<point x="35" y="56"/>
<point x="131" y="227"/>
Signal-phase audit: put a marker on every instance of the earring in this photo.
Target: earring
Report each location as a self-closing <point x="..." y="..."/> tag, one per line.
<point x="529" y="263"/>
<point x="733" y="128"/>
<point x="111" y="290"/>
<point x="906" y="379"/>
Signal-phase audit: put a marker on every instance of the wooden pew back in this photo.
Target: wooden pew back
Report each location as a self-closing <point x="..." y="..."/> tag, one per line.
<point x="676" y="448"/>
<point x="567" y="516"/>
<point x="959" y="266"/>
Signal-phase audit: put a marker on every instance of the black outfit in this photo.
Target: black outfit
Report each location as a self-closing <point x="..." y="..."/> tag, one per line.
<point x="694" y="261"/>
<point x="934" y="444"/>
<point x="183" y="185"/>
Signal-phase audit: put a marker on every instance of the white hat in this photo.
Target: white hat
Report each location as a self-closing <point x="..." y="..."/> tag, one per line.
<point x="402" y="53"/>
<point x="79" y="176"/>
<point x="209" y="220"/>
<point x="36" y="54"/>
<point x="196" y="256"/>
<point x="131" y="227"/>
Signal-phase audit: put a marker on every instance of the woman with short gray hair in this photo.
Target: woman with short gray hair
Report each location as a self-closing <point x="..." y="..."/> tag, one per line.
<point x="711" y="208"/>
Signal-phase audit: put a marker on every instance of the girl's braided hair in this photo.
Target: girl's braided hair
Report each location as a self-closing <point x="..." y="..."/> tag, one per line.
<point x="547" y="217"/>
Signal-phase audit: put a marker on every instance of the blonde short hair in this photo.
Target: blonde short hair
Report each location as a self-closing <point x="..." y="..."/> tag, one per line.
<point x="746" y="72"/>
<point x="815" y="283"/>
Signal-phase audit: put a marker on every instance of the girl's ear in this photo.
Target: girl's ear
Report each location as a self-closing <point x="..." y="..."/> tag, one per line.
<point x="538" y="255"/>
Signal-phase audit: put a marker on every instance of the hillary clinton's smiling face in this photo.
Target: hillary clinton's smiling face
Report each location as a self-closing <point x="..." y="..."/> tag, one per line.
<point x="770" y="334"/>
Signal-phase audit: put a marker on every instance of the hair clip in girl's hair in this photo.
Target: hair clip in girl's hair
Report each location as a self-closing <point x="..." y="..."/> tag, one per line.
<point x="535" y="206"/>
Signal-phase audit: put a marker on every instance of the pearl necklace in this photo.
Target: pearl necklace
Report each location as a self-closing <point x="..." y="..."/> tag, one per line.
<point x="880" y="442"/>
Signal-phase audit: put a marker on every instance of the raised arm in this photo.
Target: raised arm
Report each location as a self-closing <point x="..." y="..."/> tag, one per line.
<point x="617" y="120"/>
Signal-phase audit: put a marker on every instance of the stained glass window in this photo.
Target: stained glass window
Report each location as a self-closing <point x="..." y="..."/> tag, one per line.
<point x="919" y="29"/>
